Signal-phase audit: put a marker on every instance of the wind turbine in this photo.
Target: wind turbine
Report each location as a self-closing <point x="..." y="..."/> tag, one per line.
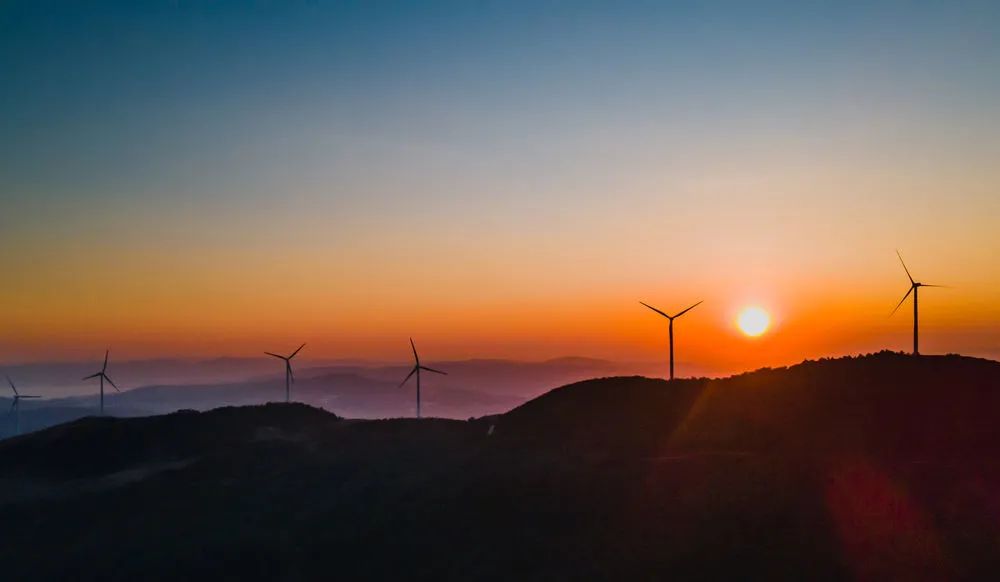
<point x="416" y="370"/>
<point x="289" y="377"/>
<point x="103" y="376"/>
<point x="672" y="318"/>
<point x="15" y="406"/>
<point x="914" y="287"/>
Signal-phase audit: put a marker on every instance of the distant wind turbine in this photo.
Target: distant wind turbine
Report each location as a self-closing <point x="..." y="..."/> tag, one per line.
<point x="103" y="376"/>
<point x="914" y="287"/>
<point x="416" y="370"/>
<point x="672" y="318"/>
<point x="15" y="406"/>
<point x="289" y="377"/>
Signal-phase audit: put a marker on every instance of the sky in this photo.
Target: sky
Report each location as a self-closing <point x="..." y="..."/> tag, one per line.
<point x="497" y="179"/>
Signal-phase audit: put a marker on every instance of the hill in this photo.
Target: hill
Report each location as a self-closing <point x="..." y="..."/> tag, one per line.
<point x="885" y="403"/>
<point x="881" y="466"/>
<point x="472" y="388"/>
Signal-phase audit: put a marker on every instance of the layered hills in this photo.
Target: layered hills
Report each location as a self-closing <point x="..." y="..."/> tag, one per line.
<point x="882" y="466"/>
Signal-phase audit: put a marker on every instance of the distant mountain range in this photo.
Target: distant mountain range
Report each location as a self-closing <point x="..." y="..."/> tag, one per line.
<point x="472" y="387"/>
<point x="58" y="379"/>
<point x="877" y="467"/>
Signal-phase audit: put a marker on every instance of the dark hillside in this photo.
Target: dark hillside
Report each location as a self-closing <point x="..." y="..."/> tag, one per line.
<point x="882" y="404"/>
<point x="96" y="445"/>
<point x="879" y="467"/>
<point x="634" y="413"/>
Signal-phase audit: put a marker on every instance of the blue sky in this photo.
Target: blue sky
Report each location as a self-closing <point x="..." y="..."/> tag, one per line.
<point x="154" y="89"/>
<point x="205" y="137"/>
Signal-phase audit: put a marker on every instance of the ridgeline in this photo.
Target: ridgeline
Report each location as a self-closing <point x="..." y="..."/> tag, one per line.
<point x="880" y="466"/>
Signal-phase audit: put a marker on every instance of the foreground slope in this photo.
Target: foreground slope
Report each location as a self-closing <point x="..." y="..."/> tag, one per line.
<point x="872" y="467"/>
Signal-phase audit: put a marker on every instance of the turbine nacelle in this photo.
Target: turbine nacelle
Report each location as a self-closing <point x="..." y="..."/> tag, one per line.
<point x="18" y="397"/>
<point x="914" y="285"/>
<point x="914" y="288"/>
<point x="417" y="366"/>
<point x="105" y="377"/>
<point x="15" y="405"/>
<point x="676" y="315"/>
<point x="289" y="375"/>
<point x="103" y="374"/>
<point x="671" y="318"/>
<point x="289" y="357"/>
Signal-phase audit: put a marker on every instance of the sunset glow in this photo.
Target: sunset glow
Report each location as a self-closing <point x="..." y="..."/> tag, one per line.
<point x="753" y="321"/>
<point x="506" y="185"/>
<point x="506" y="290"/>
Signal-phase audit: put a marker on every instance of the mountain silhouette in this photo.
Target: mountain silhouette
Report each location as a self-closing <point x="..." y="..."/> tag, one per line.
<point x="477" y="387"/>
<point x="885" y="403"/>
<point x="876" y="467"/>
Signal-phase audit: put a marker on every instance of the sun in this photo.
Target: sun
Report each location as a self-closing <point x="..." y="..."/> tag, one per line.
<point x="753" y="321"/>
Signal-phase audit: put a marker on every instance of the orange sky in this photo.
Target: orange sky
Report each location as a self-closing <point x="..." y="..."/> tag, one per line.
<point x="551" y="283"/>
<point x="508" y="184"/>
<point x="586" y="307"/>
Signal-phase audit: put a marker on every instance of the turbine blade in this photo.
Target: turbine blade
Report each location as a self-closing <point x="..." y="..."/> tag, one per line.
<point x="657" y="310"/>
<point x="13" y="405"/>
<point x="904" y="267"/>
<point x="27" y="396"/>
<point x="11" y="382"/>
<point x="296" y="351"/>
<point x="415" y="356"/>
<point x="689" y="308"/>
<point x="106" y="352"/>
<point x="276" y="356"/>
<point x="433" y="370"/>
<point x="112" y="383"/>
<point x="901" y="301"/>
<point x="412" y="372"/>
<point x="291" y="375"/>
<point x="938" y="286"/>
<point x="97" y="375"/>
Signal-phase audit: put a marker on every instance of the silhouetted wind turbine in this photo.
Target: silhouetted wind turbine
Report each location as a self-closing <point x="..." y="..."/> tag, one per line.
<point x="914" y="287"/>
<point x="15" y="406"/>
<point x="289" y="377"/>
<point x="103" y="376"/>
<point x="416" y="370"/>
<point x="672" y="318"/>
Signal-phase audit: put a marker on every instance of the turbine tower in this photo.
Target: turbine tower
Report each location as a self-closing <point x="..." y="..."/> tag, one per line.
<point x="103" y="376"/>
<point x="672" y="318"/>
<point x="15" y="406"/>
<point x="914" y="288"/>
<point x="416" y="370"/>
<point x="289" y="377"/>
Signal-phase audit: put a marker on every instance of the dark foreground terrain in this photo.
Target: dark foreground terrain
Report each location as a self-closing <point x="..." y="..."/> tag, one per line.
<point x="880" y="467"/>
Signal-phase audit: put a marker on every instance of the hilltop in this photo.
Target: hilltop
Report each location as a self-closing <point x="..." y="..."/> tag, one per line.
<point x="885" y="403"/>
<point x="881" y="466"/>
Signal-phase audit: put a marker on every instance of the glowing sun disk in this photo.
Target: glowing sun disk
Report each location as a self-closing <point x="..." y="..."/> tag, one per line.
<point x="753" y="321"/>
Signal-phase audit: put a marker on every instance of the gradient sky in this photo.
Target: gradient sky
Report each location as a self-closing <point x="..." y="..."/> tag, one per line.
<point x="496" y="179"/>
